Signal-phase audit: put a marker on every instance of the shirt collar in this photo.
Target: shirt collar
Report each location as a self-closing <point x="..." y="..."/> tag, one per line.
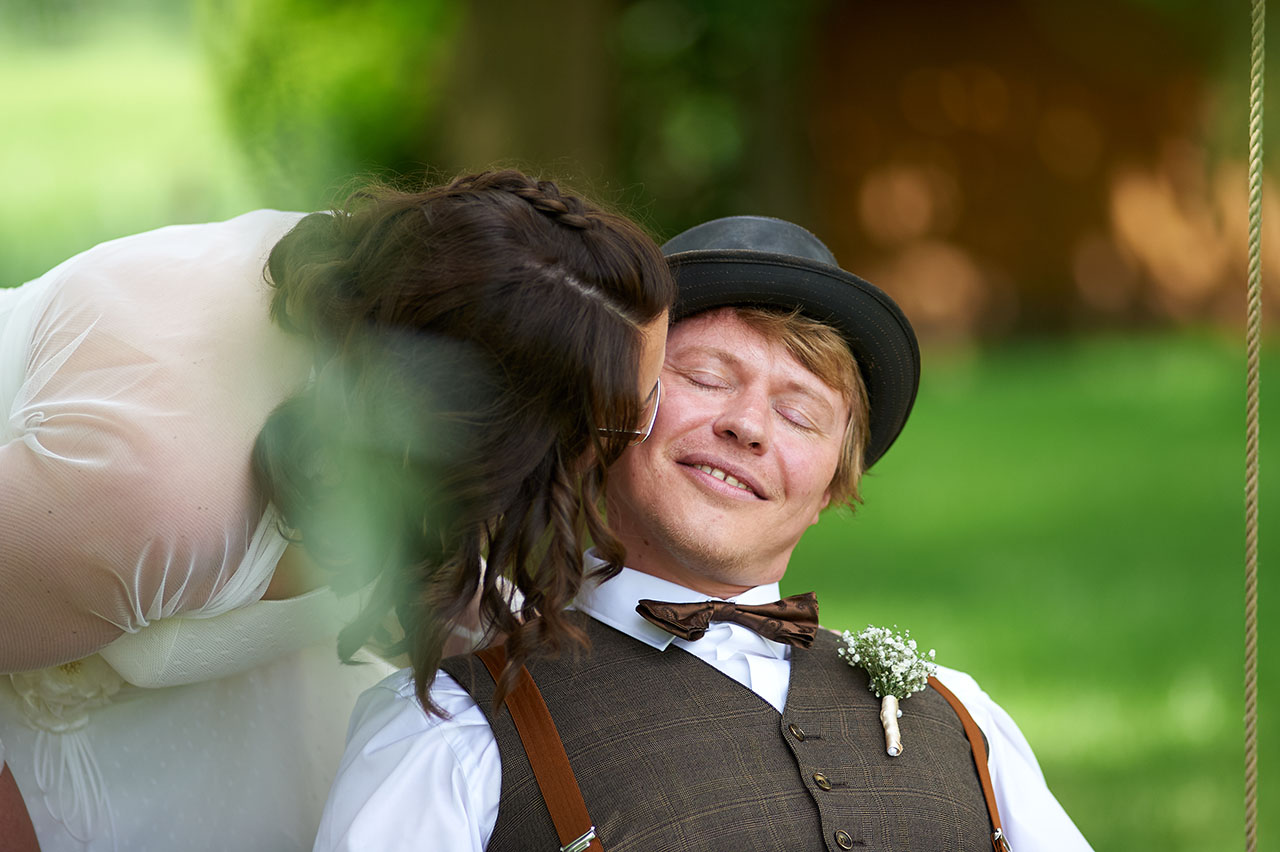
<point x="613" y="601"/>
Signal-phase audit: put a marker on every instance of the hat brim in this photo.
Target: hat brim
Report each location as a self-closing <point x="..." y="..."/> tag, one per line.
<point x="875" y="329"/>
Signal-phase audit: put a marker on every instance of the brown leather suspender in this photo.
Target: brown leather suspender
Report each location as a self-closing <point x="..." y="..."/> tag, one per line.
<point x="546" y="754"/>
<point x="560" y="788"/>
<point x="979" y="749"/>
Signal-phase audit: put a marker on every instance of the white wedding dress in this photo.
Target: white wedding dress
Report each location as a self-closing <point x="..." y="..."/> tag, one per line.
<point x="153" y="701"/>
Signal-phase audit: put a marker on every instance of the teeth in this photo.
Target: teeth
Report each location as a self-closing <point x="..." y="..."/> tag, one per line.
<point x="720" y="474"/>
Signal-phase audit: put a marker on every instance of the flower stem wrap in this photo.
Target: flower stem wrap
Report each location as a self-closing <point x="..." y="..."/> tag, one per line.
<point x="889" y="713"/>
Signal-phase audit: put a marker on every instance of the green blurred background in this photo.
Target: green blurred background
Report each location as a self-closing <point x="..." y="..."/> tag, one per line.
<point x="1054" y="192"/>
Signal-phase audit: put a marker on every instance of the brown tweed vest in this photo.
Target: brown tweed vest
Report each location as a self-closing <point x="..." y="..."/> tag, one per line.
<point x="672" y="755"/>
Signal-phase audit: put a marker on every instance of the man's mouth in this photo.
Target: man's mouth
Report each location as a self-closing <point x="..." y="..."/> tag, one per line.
<point x="725" y="477"/>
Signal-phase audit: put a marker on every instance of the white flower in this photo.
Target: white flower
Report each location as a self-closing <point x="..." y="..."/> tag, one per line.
<point x="58" y="699"/>
<point x="891" y="660"/>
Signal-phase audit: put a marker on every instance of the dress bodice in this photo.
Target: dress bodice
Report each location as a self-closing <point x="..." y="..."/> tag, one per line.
<point x="134" y="551"/>
<point x="134" y="379"/>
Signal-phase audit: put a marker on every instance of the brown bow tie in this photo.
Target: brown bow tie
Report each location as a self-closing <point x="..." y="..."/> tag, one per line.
<point x="791" y="621"/>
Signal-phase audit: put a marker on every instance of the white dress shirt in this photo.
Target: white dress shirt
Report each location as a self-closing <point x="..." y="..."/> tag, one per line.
<point x="407" y="777"/>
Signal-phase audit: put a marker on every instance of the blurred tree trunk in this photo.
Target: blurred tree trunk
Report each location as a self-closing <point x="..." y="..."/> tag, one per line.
<point x="532" y="85"/>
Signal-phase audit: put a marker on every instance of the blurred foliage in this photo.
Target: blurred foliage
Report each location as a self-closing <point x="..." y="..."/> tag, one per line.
<point x="710" y="116"/>
<point x="110" y="129"/>
<point x="63" y="23"/>
<point x="317" y="92"/>
<point x="922" y="141"/>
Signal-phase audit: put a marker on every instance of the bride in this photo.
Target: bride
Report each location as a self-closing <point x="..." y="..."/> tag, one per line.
<point x="222" y="443"/>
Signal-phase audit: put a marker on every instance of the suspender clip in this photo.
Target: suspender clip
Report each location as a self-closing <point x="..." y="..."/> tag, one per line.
<point x="582" y="842"/>
<point x="999" y="842"/>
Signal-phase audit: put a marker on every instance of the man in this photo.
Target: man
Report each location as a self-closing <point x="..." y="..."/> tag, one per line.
<point x="784" y="375"/>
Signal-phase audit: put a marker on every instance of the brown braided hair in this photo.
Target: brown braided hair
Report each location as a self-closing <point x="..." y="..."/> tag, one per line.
<point x="470" y="338"/>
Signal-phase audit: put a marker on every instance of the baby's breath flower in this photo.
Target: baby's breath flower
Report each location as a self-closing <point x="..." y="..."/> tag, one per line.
<point x="891" y="660"/>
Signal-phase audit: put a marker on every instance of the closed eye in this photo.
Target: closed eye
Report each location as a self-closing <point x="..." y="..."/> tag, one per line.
<point x="796" y="418"/>
<point x="706" y="380"/>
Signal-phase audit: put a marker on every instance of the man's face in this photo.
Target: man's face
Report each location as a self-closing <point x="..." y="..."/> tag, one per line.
<point x="739" y="463"/>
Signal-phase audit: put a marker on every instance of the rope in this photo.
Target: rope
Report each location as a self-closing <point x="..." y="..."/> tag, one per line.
<point x="1253" y="345"/>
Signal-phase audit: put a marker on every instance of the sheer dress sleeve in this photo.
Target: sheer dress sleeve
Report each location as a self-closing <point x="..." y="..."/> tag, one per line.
<point x="125" y="487"/>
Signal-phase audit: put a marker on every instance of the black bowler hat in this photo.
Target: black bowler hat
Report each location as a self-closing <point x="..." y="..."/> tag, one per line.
<point x="768" y="263"/>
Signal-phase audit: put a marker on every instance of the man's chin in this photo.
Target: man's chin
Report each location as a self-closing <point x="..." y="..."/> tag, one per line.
<point x="721" y="562"/>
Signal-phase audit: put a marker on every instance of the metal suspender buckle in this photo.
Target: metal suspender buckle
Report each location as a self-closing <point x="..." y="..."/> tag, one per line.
<point x="999" y="842"/>
<point x="582" y="842"/>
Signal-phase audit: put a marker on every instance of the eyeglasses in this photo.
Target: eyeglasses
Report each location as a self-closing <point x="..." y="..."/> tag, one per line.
<point x="638" y="436"/>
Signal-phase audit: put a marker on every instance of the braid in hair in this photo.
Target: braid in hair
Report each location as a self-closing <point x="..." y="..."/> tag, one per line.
<point x="486" y="456"/>
<point x="543" y="195"/>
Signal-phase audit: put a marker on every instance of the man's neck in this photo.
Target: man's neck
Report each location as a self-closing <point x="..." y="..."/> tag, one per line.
<point x="658" y="563"/>
<point x="700" y="584"/>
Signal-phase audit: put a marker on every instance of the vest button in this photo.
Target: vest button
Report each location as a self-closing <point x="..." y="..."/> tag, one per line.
<point x="795" y="731"/>
<point x="823" y="784"/>
<point x="843" y="840"/>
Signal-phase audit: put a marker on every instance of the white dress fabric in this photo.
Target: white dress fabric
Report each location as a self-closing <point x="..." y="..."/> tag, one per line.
<point x="410" y="781"/>
<point x="152" y="700"/>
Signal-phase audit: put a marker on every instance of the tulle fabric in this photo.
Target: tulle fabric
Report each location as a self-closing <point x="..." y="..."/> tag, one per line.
<point x="153" y="701"/>
<point x="145" y="368"/>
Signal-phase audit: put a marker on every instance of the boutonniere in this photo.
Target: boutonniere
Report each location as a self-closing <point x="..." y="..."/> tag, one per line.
<point x="897" y="670"/>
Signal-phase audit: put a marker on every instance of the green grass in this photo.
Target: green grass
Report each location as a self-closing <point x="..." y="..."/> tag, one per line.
<point x="1064" y="522"/>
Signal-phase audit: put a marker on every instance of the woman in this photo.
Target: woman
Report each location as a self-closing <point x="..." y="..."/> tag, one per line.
<point x="421" y="381"/>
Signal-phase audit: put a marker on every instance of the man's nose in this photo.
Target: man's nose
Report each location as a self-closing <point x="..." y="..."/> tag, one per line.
<point x="745" y="420"/>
